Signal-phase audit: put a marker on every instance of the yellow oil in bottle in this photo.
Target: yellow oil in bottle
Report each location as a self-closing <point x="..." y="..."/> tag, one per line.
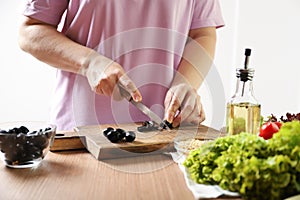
<point x="243" y="117"/>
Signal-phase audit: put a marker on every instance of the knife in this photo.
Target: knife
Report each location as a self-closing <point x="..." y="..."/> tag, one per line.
<point x="139" y="105"/>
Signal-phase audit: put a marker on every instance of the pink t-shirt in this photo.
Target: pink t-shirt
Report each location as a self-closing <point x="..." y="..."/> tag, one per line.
<point x="147" y="37"/>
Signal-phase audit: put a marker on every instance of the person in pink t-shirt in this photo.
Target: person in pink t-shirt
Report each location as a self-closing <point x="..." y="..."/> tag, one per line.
<point x="158" y="50"/>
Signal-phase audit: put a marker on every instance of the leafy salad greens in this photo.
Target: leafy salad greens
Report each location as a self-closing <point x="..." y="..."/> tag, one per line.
<point x="248" y="164"/>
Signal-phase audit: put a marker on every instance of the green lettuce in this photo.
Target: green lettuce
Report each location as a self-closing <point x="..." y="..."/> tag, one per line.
<point x="248" y="164"/>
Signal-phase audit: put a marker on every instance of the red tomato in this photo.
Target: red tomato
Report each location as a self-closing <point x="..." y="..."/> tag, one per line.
<point x="268" y="129"/>
<point x="279" y="124"/>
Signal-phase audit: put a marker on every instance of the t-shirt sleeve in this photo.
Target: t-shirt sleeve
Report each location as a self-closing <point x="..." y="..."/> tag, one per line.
<point x="48" y="11"/>
<point x="207" y="13"/>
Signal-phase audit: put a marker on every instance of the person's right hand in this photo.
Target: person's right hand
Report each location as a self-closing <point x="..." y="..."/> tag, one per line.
<point x="104" y="75"/>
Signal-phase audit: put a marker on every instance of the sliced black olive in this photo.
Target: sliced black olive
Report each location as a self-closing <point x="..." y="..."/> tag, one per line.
<point x="146" y="129"/>
<point x="164" y="124"/>
<point x="107" y="130"/>
<point x="147" y="126"/>
<point x="142" y="129"/>
<point x="147" y="123"/>
<point x="130" y="136"/>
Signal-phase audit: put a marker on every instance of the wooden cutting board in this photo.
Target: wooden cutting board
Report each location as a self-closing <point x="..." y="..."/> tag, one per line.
<point x="66" y="141"/>
<point x="146" y="143"/>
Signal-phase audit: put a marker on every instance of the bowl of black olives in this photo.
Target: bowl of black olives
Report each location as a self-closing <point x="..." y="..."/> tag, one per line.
<point x="25" y="144"/>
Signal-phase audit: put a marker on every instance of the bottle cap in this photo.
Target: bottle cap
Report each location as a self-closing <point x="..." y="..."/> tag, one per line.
<point x="247" y="52"/>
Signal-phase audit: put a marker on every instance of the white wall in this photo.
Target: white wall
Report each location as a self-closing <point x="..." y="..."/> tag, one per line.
<point x="269" y="27"/>
<point x="25" y="83"/>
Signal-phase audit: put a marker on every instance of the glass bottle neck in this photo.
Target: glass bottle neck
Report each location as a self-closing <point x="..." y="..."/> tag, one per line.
<point x="244" y="88"/>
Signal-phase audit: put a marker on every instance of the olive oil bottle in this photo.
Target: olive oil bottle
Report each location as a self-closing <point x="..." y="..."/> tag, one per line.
<point x="243" y="110"/>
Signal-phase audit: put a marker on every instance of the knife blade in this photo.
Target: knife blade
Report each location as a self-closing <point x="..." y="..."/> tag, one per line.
<point x="139" y="105"/>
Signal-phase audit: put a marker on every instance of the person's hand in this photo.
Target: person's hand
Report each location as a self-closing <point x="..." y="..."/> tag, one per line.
<point x="183" y="105"/>
<point x="104" y="75"/>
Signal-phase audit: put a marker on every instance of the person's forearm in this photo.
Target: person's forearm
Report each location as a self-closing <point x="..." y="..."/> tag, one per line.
<point x="198" y="57"/>
<point x="48" y="45"/>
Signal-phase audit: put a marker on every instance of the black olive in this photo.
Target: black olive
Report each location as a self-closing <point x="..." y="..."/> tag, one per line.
<point x="130" y="136"/>
<point x="164" y="124"/>
<point x="107" y="130"/>
<point x="14" y="130"/>
<point x="23" y="129"/>
<point x="40" y="132"/>
<point x="113" y="136"/>
<point x="21" y="146"/>
<point x="146" y="123"/>
<point x="48" y="132"/>
<point x="40" y="141"/>
<point x="121" y="132"/>
<point x="3" y="131"/>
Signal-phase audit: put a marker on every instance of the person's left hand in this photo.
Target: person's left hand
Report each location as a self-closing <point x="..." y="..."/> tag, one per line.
<point x="183" y="105"/>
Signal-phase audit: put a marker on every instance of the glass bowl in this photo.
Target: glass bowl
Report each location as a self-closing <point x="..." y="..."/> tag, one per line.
<point x="184" y="144"/>
<point x="25" y="144"/>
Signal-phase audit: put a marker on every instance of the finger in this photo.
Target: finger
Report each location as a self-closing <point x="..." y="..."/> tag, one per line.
<point x="107" y="90"/>
<point x="107" y="85"/>
<point x="174" y="107"/>
<point x="193" y="116"/>
<point x="128" y="85"/>
<point x="176" y="121"/>
<point x="192" y="109"/>
<point x="136" y="95"/>
<point x="188" y="107"/>
<point x="202" y="112"/>
<point x="167" y="100"/>
<point x="98" y="90"/>
<point x="200" y="117"/>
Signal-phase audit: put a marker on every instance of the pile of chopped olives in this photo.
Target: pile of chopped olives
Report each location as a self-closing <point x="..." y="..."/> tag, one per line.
<point x="148" y="126"/>
<point x="118" y="135"/>
<point x="20" y="146"/>
<point x="151" y="126"/>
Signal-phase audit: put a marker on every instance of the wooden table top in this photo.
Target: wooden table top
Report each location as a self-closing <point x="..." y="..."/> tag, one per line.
<point x="78" y="175"/>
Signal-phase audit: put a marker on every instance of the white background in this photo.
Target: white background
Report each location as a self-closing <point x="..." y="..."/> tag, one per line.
<point x="270" y="28"/>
